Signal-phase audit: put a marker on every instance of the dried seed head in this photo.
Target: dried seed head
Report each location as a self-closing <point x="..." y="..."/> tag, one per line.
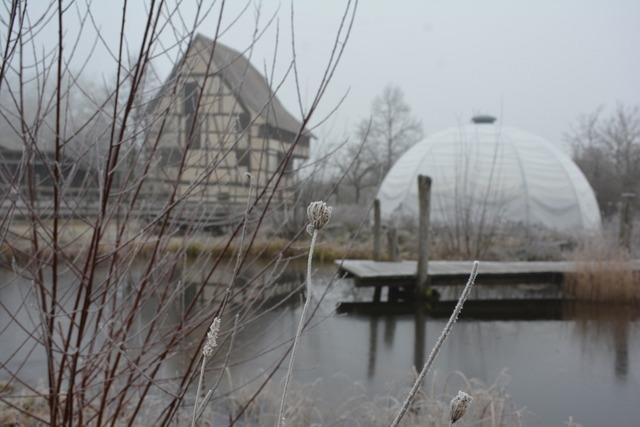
<point x="212" y="338"/>
<point x="319" y="214"/>
<point x="459" y="405"/>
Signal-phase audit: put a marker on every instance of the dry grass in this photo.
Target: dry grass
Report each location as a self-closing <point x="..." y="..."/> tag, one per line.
<point x="603" y="274"/>
<point x="491" y="406"/>
<point x="12" y="413"/>
<point x="270" y="247"/>
<point x="512" y="244"/>
<point x="344" y="241"/>
<point x="75" y="238"/>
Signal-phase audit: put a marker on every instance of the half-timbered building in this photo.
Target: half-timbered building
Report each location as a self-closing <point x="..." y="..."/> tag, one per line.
<point x="220" y="132"/>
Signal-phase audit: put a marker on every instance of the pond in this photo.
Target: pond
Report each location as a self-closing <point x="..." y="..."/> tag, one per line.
<point x="567" y="359"/>
<point x="574" y="359"/>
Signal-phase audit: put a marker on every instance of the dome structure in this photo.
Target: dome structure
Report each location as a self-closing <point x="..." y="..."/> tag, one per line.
<point x="488" y="174"/>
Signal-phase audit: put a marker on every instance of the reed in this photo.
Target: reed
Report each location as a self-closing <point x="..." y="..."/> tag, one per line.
<point x="207" y="351"/>
<point x="603" y="273"/>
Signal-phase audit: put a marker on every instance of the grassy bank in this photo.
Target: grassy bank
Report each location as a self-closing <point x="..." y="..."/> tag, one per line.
<point x="75" y="238"/>
<point x="270" y="247"/>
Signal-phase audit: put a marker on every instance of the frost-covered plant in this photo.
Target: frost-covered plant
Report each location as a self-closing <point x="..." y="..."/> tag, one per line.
<point x="438" y="345"/>
<point x="207" y="351"/>
<point x="319" y="214"/>
<point x="212" y="339"/>
<point x="459" y="406"/>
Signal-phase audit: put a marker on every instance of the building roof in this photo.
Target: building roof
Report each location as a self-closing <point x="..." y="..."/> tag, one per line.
<point x="247" y="83"/>
<point x="489" y="170"/>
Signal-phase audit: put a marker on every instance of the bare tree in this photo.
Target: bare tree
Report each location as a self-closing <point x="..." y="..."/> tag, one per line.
<point x="607" y="149"/>
<point x="379" y="141"/>
<point x="394" y="129"/>
<point x="358" y="163"/>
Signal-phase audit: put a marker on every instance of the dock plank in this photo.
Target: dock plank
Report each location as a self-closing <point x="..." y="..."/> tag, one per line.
<point x="403" y="273"/>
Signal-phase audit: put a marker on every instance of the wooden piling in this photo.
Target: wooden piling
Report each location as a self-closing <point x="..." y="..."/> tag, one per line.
<point x="377" y="231"/>
<point x="392" y="242"/>
<point x="626" y="220"/>
<point x="424" y="204"/>
<point x="377" y="243"/>
<point x="377" y="294"/>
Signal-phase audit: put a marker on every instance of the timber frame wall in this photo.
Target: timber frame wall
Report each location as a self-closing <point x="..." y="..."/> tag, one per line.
<point x="229" y="141"/>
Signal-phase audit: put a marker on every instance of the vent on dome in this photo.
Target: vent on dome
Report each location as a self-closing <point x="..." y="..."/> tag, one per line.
<point x="483" y="119"/>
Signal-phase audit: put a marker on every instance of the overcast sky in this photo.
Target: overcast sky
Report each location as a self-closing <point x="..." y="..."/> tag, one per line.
<point x="535" y="64"/>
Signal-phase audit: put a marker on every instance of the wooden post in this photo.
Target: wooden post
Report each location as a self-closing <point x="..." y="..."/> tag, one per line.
<point x="392" y="241"/>
<point x="377" y="235"/>
<point x="626" y="220"/>
<point x="424" y="202"/>
<point x="424" y="207"/>
<point x="377" y="230"/>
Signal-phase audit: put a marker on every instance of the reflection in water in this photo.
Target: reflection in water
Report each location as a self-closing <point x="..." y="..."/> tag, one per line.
<point x="566" y="359"/>
<point x="602" y="323"/>
<point x="585" y="354"/>
<point x="373" y="345"/>
<point x="419" y="337"/>
<point x="419" y="323"/>
<point x="595" y="323"/>
<point x="621" y="346"/>
<point x="389" y="330"/>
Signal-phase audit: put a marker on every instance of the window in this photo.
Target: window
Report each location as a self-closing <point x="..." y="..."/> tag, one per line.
<point x="288" y="168"/>
<point x="242" y="122"/>
<point x="190" y="98"/>
<point x="243" y="154"/>
<point x="189" y="107"/>
<point x="192" y="132"/>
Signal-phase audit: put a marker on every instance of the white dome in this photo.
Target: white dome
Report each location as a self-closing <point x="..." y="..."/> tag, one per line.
<point x="488" y="171"/>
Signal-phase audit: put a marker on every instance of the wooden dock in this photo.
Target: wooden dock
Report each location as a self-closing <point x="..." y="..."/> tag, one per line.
<point x="505" y="309"/>
<point x="402" y="274"/>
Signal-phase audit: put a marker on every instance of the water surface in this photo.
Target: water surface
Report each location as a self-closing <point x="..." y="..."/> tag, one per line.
<point x="579" y="360"/>
<point x="564" y="360"/>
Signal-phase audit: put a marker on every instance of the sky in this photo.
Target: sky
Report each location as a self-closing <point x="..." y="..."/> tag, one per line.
<point x="536" y="65"/>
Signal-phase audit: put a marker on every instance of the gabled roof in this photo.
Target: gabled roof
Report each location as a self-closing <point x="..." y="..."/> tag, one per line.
<point x="246" y="82"/>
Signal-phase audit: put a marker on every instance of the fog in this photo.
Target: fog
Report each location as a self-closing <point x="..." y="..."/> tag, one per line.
<point x="534" y="65"/>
